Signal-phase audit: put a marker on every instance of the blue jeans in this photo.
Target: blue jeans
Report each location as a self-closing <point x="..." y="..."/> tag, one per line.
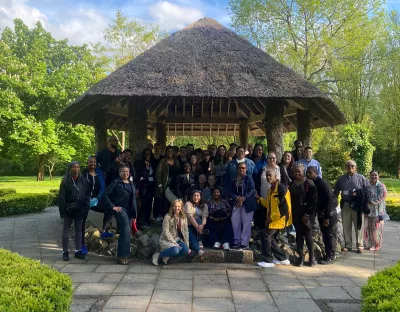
<point x="124" y="240"/>
<point x="175" y="251"/>
<point x="194" y="236"/>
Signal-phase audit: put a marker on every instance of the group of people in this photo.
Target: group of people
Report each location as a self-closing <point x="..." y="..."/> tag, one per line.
<point x="213" y="197"/>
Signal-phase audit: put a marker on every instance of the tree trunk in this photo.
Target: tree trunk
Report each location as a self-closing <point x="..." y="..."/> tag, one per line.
<point x="243" y="133"/>
<point x="304" y="127"/>
<point x="161" y="133"/>
<point x="137" y="125"/>
<point x="273" y="123"/>
<point x="100" y="129"/>
<point x="40" y="175"/>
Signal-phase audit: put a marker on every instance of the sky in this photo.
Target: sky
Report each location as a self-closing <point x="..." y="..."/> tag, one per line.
<point x="84" y="21"/>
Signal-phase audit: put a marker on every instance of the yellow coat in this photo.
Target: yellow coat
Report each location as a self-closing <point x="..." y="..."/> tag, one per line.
<point x="271" y="203"/>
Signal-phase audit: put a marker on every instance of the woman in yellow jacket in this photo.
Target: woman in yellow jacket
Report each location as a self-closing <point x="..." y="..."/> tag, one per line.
<point x="279" y="216"/>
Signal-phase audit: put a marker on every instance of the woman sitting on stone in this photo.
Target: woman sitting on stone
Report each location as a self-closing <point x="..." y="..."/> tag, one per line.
<point x="120" y="198"/>
<point x="197" y="214"/>
<point x="174" y="239"/>
<point x="219" y="221"/>
<point x="74" y="198"/>
<point x="303" y="194"/>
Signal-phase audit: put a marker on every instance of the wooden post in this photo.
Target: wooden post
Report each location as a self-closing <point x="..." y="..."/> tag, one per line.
<point x="161" y="133"/>
<point x="100" y="129"/>
<point x="243" y="133"/>
<point x="304" y="127"/>
<point x="273" y="123"/>
<point x="137" y="125"/>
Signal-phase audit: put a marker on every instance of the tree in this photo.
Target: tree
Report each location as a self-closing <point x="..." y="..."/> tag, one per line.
<point x="39" y="76"/>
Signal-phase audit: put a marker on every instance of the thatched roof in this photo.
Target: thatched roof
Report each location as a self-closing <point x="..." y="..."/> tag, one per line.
<point x="203" y="61"/>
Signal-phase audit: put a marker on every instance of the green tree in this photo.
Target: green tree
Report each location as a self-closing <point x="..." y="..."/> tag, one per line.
<point x="39" y="76"/>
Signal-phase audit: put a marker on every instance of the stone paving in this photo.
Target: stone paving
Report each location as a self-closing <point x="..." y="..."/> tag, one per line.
<point x="102" y="285"/>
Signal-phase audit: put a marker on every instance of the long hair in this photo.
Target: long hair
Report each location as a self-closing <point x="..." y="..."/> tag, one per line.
<point x="291" y="159"/>
<point x="218" y="159"/>
<point x="201" y="198"/>
<point x="171" y="209"/>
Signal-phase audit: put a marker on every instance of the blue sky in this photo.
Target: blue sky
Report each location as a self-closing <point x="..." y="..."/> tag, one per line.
<point x="84" y="21"/>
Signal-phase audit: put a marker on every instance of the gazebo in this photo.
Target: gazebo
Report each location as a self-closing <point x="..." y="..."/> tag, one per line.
<point x="204" y="80"/>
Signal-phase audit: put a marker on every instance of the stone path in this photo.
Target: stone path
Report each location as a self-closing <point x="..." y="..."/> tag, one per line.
<point x="101" y="285"/>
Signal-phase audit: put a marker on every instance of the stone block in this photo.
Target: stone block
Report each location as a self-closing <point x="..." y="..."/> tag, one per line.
<point x="95" y="289"/>
<point x="344" y="307"/>
<point x="137" y="278"/>
<point x="171" y="296"/>
<point x="87" y="277"/>
<point x="162" y="307"/>
<point x="177" y="274"/>
<point x="133" y="290"/>
<point x="253" y="297"/>
<point x="297" y="305"/>
<point x="111" y="268"/>
<point x="328" y="292"/>
<point x="169" y="284"/>
<point x="239" y="256"/>
<point x="212" y="291"/>
<point x="112" y="277"/>
<point x="210" y="280"/>
<point x="128" y="302"/>
<point x="79" y="268"/>
<point x="256" y="308"/>
<point x="212" y="304"/>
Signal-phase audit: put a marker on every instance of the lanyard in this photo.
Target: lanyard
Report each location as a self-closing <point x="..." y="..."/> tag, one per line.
<point x="94" y="182"/>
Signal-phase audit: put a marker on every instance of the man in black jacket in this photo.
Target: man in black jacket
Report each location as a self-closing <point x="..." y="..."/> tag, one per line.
<point x="106" y="157"/>
<point x="327" y="213"/>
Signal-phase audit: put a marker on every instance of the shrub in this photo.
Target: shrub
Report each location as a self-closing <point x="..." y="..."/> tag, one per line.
<point x="7" y="191"/>
<point x="54" y="193"/>
<point x="23" y="203"/>
<point x="381" y="293"/>
<point x="393" y="209"/>
<point x="28" y="285"/>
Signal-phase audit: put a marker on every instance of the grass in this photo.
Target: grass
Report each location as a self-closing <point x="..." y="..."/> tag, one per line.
<point x="29" y="184"/>
<point x="393" y="187"/>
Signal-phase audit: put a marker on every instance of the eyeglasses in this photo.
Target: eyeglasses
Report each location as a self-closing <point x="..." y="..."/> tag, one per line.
<point x="352" y="166"/>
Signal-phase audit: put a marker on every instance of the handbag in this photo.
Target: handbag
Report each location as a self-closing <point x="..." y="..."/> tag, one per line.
<point x="250" y="205"/>
<point x="72" y="207"/>
<point x="93" y="202"/>
<point x="134" y="227"/>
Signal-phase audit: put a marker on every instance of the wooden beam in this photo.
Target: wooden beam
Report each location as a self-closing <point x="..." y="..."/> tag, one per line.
<point x="250" y="106"/>
<point x="202" y="108"/>
<point x="220" y="107"/>
<point x="211" y="111"/>
<point x="160" y="111"/>
<point x="229" y="107"/>
<point x="256" y="103"/>
<point x="242" y="109"/>
<point x="192" y="109"/>
<point x="155" y="107"/>
<point x="184" y="107"/>
<point x="199" y="120"/>
<point x="153" y="102"/>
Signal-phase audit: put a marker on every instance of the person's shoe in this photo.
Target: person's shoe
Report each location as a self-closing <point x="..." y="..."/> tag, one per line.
<point x="165" y="260"/>
<point x="242" y="247"/>
<point x="327" y="261"/>
<point x="123" y="261"/>
<point x="146" y="226"/>
<point x="106" y="235"/>
<point x="284" y="262"/>
<point x="360" y="250"/>
<point x="345" y="249"/>
<point x="217" y="245"/>
<point x="299" y="262"/>
<point x="155" y="258"/>
<point x="200" y="253"/>
<point x="235" y="247"/>
<point x="226" y="246"/>
<point x="65" y="256"/>
<point x="311" y="263"/>
<point x="201" y="245"/>
<point x="79" y="255"/>
<point x="84" y="250"/>
<point x="265" y="264"/>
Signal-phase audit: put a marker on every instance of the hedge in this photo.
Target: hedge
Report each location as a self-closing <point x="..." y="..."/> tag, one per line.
<point x="393" y="208"/>
<point x="7" y="191"/>
<point x="381" y="293"/>
<point x="54" y="192"/>
<point x="28" y="285"/>
<point x="24" y="203"/>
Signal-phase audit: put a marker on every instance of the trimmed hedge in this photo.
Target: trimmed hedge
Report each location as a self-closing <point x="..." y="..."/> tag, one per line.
<point x="381" y="293"/>
<point x="24" y="203"/>
<point x="7" y="191"/>
<point x="54" y="192"/>
<point x="393" y="208"/>
<point x="28" y="285"/>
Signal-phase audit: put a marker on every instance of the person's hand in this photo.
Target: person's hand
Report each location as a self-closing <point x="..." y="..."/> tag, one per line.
<point x="117" y="209"/>
<point x="200" y="228"/>
<point x="256" y="196"/>
<point x="118" y="159"/>
<point x="326" y="222"/>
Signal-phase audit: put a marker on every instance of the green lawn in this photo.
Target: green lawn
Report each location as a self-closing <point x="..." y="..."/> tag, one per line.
<point x="393" y="187"/>
<point x="29" y="184"/>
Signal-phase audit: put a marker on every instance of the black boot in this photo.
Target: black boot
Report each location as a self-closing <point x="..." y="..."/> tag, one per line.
<point x="65" y="256"/>
<point x="299" y="262"/>
<point x="79" y="255"/>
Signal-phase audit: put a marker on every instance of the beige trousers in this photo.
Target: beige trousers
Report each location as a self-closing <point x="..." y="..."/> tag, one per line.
<point x="349" y="218"/>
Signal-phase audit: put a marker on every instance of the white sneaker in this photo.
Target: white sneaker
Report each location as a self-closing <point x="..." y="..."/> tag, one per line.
<point x="266" y="264"/>
<point x="165" y="260"/>
<point x="284" y="262"/>
<point x="226" y="246"/>
<point x="217" y="245"/>
<point x="200" y="253"/>
<point x="155" y="258"/>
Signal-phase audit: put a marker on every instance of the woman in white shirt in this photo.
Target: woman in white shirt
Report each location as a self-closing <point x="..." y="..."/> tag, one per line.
<point x="271" y="164"/>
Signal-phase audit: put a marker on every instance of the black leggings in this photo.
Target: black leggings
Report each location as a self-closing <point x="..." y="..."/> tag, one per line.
<point x="304" y="232"/>
<point x="108" y="215"/>
<point x="78" y="222"/>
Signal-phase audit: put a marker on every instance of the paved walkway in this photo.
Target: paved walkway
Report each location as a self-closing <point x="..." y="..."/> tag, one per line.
<point x="101" y="285"/>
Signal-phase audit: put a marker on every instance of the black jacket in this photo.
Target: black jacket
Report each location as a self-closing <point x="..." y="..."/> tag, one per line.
<point x="184" y="185"/>
<point x="115" y="195"/>
<point x="105" y="158"/>
<point x="327" y="202"/>
<point x="144" y="180"/>
<point x="74" y="192"/>
<point x="113" y="173"/>
<point x="308" y="202"/>
<point x="285" y="176"/>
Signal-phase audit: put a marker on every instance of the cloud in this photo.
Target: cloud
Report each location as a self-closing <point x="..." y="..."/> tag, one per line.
<point x="10" y="10"/>
<point x="171" y="16"/>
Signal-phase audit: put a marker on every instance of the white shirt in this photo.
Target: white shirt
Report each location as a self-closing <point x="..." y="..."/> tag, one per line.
<point x="265" y="186"/>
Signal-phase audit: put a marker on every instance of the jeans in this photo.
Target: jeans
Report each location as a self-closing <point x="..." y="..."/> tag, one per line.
<point x="78" y="233"/>
<point x="175" y="251"/>
<point x="124" y="240"/>
<point x="270" y="247"/>
<point x="194" y="236"/>
<point x="220" y="231"/>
